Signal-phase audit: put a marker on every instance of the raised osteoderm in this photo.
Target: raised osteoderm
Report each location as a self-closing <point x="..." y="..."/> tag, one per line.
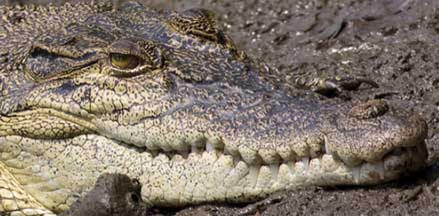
<point x="167" y="98"/>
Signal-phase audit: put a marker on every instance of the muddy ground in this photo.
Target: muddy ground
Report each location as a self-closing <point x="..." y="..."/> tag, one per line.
<point x="394" y="42"/>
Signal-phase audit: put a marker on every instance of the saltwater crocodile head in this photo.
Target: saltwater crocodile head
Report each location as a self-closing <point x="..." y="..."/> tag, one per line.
<point x="167" y="98"/>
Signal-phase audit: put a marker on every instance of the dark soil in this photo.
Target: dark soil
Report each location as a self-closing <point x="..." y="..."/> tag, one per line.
<point x="393" y="42"/>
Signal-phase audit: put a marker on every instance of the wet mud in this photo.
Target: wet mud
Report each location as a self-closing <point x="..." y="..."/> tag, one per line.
<point x="393" y="42"/>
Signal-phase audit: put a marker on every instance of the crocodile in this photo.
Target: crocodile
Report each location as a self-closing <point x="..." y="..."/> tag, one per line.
<point x="168" y="99"/>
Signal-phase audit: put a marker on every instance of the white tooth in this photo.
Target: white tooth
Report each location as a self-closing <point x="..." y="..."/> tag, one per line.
<point x="274" y="168"/>
<point x="253" y="174"/>
<point x="305" y="162"/>
<point x="209" y="147"/>
<point x="326" y="144"/>
<point x="215" y="143"/>
<point x="356" y="171"/>
<point x="379" y="167"/>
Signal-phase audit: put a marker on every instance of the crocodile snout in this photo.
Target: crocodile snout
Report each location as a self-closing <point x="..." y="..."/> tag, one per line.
<point x="371" y="130"/>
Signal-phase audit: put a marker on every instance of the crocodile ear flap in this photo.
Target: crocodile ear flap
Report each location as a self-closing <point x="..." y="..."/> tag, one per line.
<point x="197" y="22"/>
<point x="201" y="23"/>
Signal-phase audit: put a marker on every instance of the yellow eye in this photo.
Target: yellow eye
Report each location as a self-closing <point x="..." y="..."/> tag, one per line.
<point x="124" y="61"/>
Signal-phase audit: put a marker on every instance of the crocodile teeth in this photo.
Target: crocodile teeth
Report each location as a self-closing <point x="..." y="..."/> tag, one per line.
<point x="305" y="162"/>
<point x="274" y="168"/>
<point x="326" y="144"/>
<point x="209" y="147"/>
<point x="253" y="174"/>
<point x="356" y="171"/>
<point x="213" y="144"/>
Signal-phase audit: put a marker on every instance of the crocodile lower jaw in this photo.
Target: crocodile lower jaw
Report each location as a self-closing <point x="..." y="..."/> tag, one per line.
<point x="172" y="179"/>
<point x="245" y="182"/>
<point x="366" y="173"/>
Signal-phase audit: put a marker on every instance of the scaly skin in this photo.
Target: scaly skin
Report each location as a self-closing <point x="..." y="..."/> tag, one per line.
<point x="166" y="98"/>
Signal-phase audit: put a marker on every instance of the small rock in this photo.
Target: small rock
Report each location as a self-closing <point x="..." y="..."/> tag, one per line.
<point x="113" y="194"/>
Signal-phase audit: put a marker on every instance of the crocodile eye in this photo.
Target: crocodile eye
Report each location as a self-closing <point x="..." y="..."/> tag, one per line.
<point x="124" y="61"/>
<point x="133" y="56"/>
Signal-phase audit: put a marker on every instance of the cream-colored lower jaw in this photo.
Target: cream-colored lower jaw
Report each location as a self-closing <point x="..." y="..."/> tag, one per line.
<point x="56" y="172"/>
<point x="213" y="177"/>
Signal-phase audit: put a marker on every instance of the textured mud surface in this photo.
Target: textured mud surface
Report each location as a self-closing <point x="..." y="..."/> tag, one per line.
<point x="393" y="42"/>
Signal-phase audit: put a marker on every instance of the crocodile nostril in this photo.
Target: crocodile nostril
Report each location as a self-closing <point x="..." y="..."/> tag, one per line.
<point x="369" y="109"/>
